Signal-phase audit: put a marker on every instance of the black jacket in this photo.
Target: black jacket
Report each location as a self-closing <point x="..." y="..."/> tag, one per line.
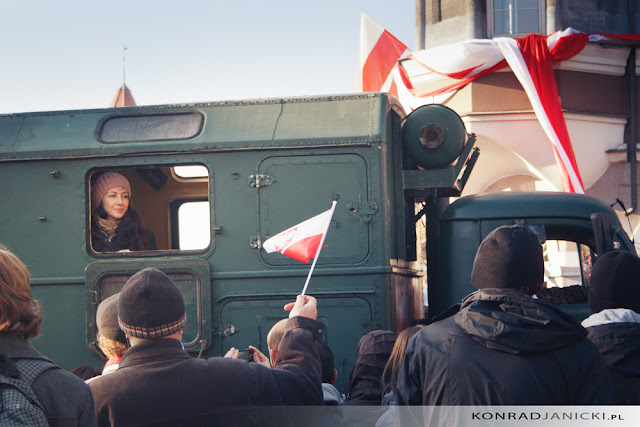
<point x="618" y="341"/>
<point x="100" y="243"/>
<point x="159" y="383"/>
<point x="503" y="348"/>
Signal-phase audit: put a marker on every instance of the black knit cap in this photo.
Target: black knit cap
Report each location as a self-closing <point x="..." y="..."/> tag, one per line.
<point x="509" y="257"/>
<point x="107" y="319"/>
<point x="150" y="305"/>
<point x="615" y="282"/>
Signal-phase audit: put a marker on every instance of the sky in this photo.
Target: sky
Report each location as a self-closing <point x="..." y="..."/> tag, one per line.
<point x="68" y="54"/>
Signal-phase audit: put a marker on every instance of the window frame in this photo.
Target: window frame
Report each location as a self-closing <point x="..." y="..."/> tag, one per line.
<point x="542" y="21"/>
<point x="147" y="253"/>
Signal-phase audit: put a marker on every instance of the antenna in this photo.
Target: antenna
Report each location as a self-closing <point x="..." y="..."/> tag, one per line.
<point x="124" y="49"/>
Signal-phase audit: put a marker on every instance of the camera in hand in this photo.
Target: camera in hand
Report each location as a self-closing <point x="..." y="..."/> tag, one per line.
<point x="246" y="355"/>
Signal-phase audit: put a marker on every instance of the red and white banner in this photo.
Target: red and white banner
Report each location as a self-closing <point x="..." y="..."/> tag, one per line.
<point x="530" y="59"/>
<point x="302" y="241"/>
<point x="379" y="54"/>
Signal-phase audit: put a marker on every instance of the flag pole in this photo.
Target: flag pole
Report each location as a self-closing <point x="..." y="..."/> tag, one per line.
<point x="315" y="258"/>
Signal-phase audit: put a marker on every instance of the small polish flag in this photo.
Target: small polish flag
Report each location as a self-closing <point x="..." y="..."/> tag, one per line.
<point x="303" y="241"/>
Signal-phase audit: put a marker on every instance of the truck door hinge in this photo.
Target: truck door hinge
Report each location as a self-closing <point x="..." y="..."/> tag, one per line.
<point x="363" y="211"/>
<point x="260" y="180"/>
<point x="255" y="242"/>
<point x="228" y="330"/>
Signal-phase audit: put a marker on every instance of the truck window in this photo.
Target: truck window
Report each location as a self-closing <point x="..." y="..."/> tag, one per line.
<point x="192" y="217"/>
<point x="566" y="270"/>
<point x="152" y="127"/>
<point x="140" y="210"/>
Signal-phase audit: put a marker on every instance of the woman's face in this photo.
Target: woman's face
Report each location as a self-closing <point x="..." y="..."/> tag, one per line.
<point x="115" y="203"/>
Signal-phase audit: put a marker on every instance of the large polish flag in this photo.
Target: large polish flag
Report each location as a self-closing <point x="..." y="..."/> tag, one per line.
<point x="530" y="58"/>
<point x="302" y="241"/>
<point x="379" y="54"/>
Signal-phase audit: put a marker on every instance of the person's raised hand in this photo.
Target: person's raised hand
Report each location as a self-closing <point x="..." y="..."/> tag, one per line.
<point x="305" y="306"/>
<point x="233" y="353"/>
<point x="260" y="358"/>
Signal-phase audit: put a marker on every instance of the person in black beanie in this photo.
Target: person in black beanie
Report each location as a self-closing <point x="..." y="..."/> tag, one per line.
<point x="614" y="326"/>
<point x="158" y="383"/>
<point x="503" y="347"/>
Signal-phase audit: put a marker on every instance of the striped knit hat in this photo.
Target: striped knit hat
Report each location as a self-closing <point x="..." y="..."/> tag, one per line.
<point x="151" y="306"/>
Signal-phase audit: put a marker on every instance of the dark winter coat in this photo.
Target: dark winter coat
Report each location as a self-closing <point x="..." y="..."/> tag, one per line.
<point x="503" y="348"/>
<point x="100" y="243"/>
<point x="616" y="333"/>
<point x="65" y="398"/>
<point x="159" y="383"/>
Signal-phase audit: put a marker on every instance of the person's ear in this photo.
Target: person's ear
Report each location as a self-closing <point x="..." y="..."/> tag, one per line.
<point x="335" y="377"/>
<point x="273" y="354"/>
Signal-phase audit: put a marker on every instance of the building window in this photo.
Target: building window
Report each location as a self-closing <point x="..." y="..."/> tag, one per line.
<point x="516" y="17"/>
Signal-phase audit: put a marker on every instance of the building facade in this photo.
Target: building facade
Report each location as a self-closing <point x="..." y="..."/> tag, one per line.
<point x="597" y="89"/>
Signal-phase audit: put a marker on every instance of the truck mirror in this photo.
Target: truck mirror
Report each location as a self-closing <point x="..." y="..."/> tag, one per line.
<point x="604" y="232"/>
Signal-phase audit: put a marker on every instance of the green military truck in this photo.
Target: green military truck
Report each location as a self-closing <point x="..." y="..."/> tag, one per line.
<point x="213" y="181"/>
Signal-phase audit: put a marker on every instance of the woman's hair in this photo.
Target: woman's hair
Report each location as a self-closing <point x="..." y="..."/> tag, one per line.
<point x="19" y="312"/>
<point x="111" y="348"/>
<point x="390" y="373"/>
<point x="129" y="229"/>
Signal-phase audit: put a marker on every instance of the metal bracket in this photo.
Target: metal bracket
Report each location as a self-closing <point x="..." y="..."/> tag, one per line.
<point x="260" y="180"/>
<point x="363" y="212"/>
<point x="228" y="331"/>
<point x="255" y="242"/>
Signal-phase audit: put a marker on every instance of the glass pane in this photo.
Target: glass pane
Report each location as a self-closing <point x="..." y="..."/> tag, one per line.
<point x="151" y="128"/>
<point x="516" y="16"/>
<point x="527" y="22"/>
<point x="562" y="273"/>
<point x="528" y="4"/>
<point x="191" y="171"/>
<point x="193" y="225"/>
<point x="501" y="5"/>
<point x="187" y="283"/>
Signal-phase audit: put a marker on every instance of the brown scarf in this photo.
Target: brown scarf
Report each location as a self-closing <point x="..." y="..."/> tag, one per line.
<point x="108" y="226"/>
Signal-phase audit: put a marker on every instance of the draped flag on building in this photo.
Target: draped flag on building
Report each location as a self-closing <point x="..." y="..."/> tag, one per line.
<point x="529" y="57"/>
<point x="379" y="54"/>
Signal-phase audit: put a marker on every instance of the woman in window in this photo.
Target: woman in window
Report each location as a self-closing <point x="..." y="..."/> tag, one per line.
<point x="115" y="226"/>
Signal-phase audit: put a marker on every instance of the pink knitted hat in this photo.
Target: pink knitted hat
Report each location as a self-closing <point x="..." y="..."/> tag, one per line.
<point x="106" y="182"/>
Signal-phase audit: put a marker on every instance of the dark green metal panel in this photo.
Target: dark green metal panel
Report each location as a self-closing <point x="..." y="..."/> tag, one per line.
<point x="304" y="186"/>
<point x="358" y="119"/>
<point x="63" y="326"/>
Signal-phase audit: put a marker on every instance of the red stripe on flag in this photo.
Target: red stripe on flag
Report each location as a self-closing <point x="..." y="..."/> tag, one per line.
<point x="568" y="46"/>
<point x="538" y="59"/>
<point x="305" y="249"/>
<point x="380" y="62"/>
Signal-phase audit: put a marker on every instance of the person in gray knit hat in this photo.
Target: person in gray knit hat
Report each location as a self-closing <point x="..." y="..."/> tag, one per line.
<point x="157" y="381"/>
<point x="111" y="339"/>
<point x="503" y="347"/>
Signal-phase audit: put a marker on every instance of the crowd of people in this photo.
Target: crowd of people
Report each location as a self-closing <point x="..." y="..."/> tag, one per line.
<point x="500" y="346"/>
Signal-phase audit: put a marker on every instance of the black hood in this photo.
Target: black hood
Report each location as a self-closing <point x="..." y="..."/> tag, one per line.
<point x="510" y="321"/>
<point x="619" y="345"/>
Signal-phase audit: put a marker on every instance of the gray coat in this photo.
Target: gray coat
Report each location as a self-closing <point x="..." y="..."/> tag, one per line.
<point x="66" y="399"/>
